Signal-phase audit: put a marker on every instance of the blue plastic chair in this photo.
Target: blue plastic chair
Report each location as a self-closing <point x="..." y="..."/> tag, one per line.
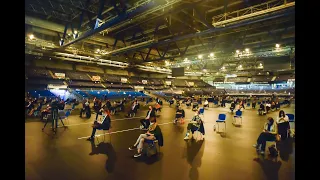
<point x="238" y="115"/>
<point x="201" y="111"/>
<point x="222" y="119"/>
<point x="291" y="117"/>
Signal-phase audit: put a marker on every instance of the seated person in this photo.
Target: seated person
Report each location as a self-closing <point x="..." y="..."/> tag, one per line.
<point x="261" y="110"/>
<point x="206" y="103"/>
<point x="105" y="124"/>
<point x="146" y="121"/>
<point x="282" y="117"/>
<point x="254" y="104"/>
<point x="268" y="107"/>
<point x="273" y="106"/>
<point x="268" y="134"/>
<point x="153" y="133"/>
<point x="188" y="103"/>
<point x="133" y="109"/>
<point x="232" y="106"/>
<point x="180" y="114"/>
<point x="277" y="105"/>
<point x="157" y="107"/>
<point x="195" y="106"/>
<point x="196" y="124"/>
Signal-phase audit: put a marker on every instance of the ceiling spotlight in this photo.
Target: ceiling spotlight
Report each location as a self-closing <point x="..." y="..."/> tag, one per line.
<point x="31" y="36"/>
<point x="260" y="64"/>
<point x="237" y="51"/>
<point x="247" y="49"/>
<point x="185" y="59"/>
<point x="223" y="67"/>
<point x="200" y="56"/>
<point x="211" y="54"/>
<point x="75" y="32"/>
<point x="240" y="66"/>
<point x="98" y="50"/>
<point x="277" y="45"/>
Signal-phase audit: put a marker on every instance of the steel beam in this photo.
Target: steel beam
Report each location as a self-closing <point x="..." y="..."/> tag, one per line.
<point x="212" y="30"/>
<point x="110" y="23"/>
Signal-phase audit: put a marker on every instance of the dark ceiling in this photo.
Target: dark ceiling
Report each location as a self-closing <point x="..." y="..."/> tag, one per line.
<point x="165" y="33"/>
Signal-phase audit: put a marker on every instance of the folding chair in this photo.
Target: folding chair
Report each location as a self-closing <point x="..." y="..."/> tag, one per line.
<point x="104" y="134"/>
<point x="238" y="115"/>
<point x="201" y="112"/>
<point x="222" y="119"/>
<point x="291" y="121"/>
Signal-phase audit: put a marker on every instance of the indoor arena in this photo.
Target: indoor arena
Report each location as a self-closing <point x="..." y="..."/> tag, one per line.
<point x="160" y="89"/>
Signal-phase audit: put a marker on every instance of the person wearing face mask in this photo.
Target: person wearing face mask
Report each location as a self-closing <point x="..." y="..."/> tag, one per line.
<point x="150" y="116"/>
<point x="282" y="117"/>
<point x="105" y="124"/>
<point x="269" y="133"/>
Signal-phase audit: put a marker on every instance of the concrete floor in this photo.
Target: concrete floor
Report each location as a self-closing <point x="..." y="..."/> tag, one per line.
<point x="67" y="154"/>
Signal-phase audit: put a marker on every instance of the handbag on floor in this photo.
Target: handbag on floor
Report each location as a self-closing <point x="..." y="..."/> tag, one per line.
<point x="151" y="149"/>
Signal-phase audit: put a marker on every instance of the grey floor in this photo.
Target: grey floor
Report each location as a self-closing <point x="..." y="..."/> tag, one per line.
<point x="67" y="154"/>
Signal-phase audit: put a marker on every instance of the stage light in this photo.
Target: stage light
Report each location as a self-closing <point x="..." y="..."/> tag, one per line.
<point x="31" y="36"/>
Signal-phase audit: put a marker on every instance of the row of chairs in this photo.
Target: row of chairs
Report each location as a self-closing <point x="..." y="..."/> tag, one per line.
<point x="222" y="119"/>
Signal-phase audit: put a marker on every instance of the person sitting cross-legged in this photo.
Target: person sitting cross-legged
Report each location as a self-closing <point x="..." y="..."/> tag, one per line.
<point x="196" y="124"/>
<point x="153" y="133"/>
<point x="105" y="124"/>
<point x="269" y="133"/>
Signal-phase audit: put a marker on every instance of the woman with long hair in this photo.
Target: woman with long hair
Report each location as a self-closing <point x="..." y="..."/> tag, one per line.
<point x="282" y="117"/>
<point x="269" y="133"/>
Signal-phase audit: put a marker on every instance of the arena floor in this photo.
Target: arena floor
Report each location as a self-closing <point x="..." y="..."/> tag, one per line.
<point x="67" y="154"/>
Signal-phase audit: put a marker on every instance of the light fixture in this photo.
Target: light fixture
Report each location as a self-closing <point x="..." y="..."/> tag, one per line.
<point x="260" y="64"/>
<point x="31" y="36"/>
<point x="277" y="45"/>
<point x="237" y="51"/>
<point x="247" y="49"/>
<point x="200" y="56"/>
<point x="75" y="32"/>
<point x="204" y="70"/>
<point x="98" y="50"/>
<point x="223" y="67"/>
<point x="211" y="54"/>
<point x="185" y="59"/>
<point x="240" y="66"/>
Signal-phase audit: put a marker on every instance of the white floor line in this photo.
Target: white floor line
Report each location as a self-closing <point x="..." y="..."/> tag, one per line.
<point x="111" y="121"/>
<point x="115" y="132"/>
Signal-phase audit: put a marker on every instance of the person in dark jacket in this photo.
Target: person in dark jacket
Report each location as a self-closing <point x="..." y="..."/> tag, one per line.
<point x="154" y="132"/>
<point x="105" y="124"/>
<point x="151" y="114"/>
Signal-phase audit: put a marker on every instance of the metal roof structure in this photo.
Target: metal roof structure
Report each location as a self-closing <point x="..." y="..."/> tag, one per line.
<point x="209" y="38"/>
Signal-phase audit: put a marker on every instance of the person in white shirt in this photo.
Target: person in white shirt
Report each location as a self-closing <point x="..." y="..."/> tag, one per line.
<point x="282" y="117"/>
<point x="206" y="103"/>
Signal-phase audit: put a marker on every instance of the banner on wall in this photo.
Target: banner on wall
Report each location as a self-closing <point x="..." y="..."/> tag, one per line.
<point x="144" y="81"/>
<point x="168" y="83"/>
<point x="57" y="86"/>
<point x="60" y="75"/>
<point x="191" y="83"/>
<point x="138" y="88"/>
<point x="96" y="78"/>
<point x="124" y="80"/>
